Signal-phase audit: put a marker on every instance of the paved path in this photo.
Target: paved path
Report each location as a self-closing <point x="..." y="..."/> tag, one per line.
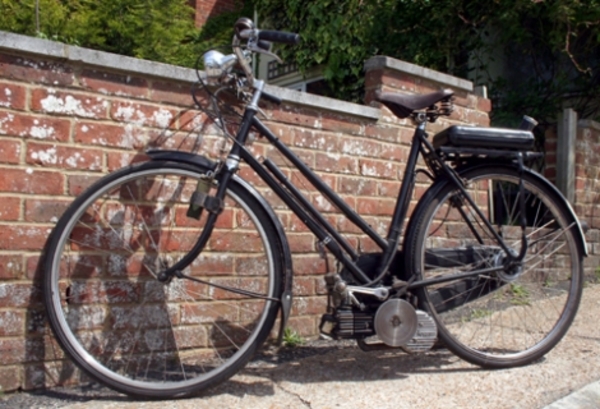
<point x="338" y="376"/>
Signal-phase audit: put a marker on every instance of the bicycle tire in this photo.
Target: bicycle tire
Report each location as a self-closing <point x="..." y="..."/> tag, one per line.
<point x="514" y="316"/>
<point x="139" y="336"/>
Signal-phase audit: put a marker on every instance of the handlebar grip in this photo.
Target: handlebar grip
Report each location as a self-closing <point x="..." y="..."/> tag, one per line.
<point x="279" y="36"/>
<point x="264" y="45"/>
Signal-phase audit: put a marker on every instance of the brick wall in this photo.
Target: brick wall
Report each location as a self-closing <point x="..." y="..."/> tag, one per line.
<point x="587" y="187"/>
<point x="69" y="115"/>
<point x="206" y="9"/>
<point x="586" y="183"/>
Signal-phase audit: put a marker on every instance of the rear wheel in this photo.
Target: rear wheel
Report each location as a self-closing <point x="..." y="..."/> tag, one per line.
<point x="134" y="333"/>
<point x="509" y="317"/>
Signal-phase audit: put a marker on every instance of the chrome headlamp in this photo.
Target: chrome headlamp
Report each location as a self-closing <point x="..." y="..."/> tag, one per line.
<point x="217" y="65"/>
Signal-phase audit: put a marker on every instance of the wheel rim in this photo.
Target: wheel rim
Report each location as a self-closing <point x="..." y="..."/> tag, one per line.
<point x="132" y="330"/>
<point x="520" y="311"/>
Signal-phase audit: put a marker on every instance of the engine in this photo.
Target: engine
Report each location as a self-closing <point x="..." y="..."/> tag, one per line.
<point x="360" y="313"/>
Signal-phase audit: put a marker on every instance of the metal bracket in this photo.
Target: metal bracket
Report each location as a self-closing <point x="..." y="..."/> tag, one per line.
<point x="211" y="203"/>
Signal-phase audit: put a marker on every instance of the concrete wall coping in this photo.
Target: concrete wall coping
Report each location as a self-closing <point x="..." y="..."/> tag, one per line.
<point x="17" y="43"/>
<point x="380" y="61"/>
<point x="588" y="123"/>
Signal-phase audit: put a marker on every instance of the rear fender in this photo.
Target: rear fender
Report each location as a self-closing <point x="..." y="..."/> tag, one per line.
<point x="579" y="234"/>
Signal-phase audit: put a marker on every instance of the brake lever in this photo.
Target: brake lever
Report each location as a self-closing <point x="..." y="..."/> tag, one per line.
<point x="253" y="46"/>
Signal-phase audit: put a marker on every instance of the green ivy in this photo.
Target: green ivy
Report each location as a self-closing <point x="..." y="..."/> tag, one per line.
<point x="555" y="42"/>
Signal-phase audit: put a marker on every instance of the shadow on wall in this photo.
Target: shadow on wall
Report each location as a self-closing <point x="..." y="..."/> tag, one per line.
<point x="46" y="364"/>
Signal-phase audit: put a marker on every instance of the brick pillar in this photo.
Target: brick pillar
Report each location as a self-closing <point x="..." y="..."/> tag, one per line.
<point x="206" y="9"/>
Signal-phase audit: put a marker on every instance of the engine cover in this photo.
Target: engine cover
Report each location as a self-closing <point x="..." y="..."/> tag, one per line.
<point x="396" y="322"/>
<point x="426" y="335"/>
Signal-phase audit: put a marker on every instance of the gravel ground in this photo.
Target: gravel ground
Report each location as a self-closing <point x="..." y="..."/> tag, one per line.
<point x="339" y="375"/>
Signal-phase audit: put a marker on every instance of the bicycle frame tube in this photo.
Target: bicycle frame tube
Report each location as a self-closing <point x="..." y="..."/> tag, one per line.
<point x="389" y="245"/>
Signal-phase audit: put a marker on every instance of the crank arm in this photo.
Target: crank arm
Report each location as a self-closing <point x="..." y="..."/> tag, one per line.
<point x="381" y="293"/>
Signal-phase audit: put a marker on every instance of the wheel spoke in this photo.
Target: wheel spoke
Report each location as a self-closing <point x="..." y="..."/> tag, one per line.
<point x="512" y="316"/>
<point x="163" y="338"/>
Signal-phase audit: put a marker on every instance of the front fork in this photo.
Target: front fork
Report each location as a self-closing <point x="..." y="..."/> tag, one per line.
<point x="201" y="199"/>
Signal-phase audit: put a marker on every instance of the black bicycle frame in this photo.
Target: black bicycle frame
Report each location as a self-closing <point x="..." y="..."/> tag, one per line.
<point x="327" y="235"/>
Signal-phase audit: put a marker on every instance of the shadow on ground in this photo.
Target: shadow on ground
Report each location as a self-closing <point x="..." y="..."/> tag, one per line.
<point x="316" y="362"/>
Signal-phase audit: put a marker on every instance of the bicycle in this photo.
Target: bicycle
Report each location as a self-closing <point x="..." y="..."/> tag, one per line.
<point x="165" y="277"/>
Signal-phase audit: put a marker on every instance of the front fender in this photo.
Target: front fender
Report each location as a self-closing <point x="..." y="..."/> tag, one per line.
<point x="206" y="164"/>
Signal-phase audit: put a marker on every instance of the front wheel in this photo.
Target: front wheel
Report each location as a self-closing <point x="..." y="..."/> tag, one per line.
<point x="134" y="333"/>
<point x="514" y="315"/>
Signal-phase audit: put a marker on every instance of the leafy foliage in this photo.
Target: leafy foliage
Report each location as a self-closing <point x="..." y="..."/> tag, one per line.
<point x="218" y="30"/>
<point x="550" y="48"/>
<point x="160" y="30"/>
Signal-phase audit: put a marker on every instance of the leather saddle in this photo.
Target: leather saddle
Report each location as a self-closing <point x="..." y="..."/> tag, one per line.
<point x="402" y="105"/>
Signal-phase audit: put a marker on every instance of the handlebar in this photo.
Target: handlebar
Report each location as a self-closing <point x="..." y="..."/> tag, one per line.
<point x="279" y="36"/>
<point x="218" y="67"/>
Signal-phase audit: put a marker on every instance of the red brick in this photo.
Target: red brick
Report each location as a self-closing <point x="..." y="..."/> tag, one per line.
<point x="388" y="189"/>
<point x="368" y="246"/>
<point x="321" y="203"/>
<point x="18" y="237"/>
<point x="193" y="120"/>
<point x="303" y="326"/>
<point x="11" y="266"/>
<point x="286" y="133"/>
<point x="478" y="118"/>
<point x="400" y="81"/>
<point x="68" y="103"/>
<point x="12" y="323"/>
<point x="373" y="206"/>
<point x="31" y="181"/>
<point x="309" y="305"/>
<point x="122" y="136"/>
<point x="32" y="126"/>
<point x="10" y="151"/>
<point x="359" y="147"/>
<point x="301" y="242"/>
<point x="484" y="104"/>
<point x="144" y="115"/>
<point x="306" y="156"/>
<point x="379" y="169"/>
<point x="297" y="117"/>
<point x="118" y="160"/>
<point x="32" y="71"/>
<point x="308" y="264"/>
<point x="336" y="163"/>
<point x="342" y="124"/>
<point x="40" y="210"/>
<point x="78" y="183"/>
<point x="114" y="84"/>
<point x="10" y="209"/>
<point x="357" y="186"/>
<point x="384" y="133"/>
<point x="12" y="351"/>
<point x="64" y="157"/>
<point x="394" y="152"/>
<point x="10" y="378"/>
<point x="177" y="93"/>
<point x="12" y="96"/>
